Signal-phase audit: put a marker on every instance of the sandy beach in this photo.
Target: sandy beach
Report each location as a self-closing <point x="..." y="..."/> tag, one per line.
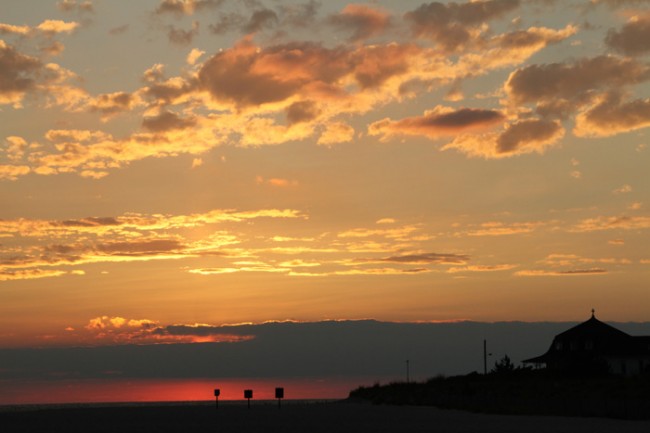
<point x="325" y="417"/>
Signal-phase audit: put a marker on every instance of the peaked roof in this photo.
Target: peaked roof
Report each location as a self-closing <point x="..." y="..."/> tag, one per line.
<point x="605" y="339"/>
<point x="591" y="328"/>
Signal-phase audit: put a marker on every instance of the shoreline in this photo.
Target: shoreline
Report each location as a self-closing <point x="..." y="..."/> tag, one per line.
<point x="27" y="407"/>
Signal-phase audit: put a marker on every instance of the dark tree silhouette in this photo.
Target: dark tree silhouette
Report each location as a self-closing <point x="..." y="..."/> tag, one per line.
<point x="504" y="365"/>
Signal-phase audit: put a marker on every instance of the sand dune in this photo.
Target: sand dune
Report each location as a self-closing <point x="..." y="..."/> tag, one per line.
<point x="335" y="417"/>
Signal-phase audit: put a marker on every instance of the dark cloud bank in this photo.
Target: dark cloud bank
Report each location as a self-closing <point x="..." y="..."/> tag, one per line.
<point x="323" y="349"/>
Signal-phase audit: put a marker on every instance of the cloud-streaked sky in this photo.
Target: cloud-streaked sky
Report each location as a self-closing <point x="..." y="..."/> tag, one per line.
<point x="185" y="162"/>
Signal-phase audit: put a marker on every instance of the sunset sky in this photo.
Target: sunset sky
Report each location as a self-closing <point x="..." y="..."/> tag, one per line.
<point x="176" y="163"/>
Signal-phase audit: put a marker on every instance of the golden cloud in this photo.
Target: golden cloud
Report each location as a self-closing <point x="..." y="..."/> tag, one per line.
<point x="456" y="25"/>
<point x="612" y="223"/>
<point x="565" y="273"/>
<point x="556" y="85"/>
<point x="336" y="132"/>
<point x="13" y="172"/>
<point x="28" y="274"/>
<point x="497" y="228"/>
<point x="236" y="94"/>
<point x="127" y="238"/>
<point x="363" y="21"/>
<point x="611" y="115"/>
<point x="439" y="122"/>
<point x="185" y="7"/>
<point x="57" y="26"/>
<point x="362" y="272"/>
<point x="631" y="39"/>
<point x="72" y="5"/>
<point x="481" y="268"/>
<point x="19" y="74"/>
<point x="12" y="29"/>
<point x="420" y="258"/>
<point x="521" y="137"/>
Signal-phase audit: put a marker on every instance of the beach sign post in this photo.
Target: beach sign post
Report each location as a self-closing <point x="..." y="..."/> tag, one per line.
<point x="217" y="391"/>
<point x="248" y="394"/>
<point x="279" y="394"/>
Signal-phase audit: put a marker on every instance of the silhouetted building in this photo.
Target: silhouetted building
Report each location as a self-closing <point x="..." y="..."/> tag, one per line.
<point x="594" y="346"/>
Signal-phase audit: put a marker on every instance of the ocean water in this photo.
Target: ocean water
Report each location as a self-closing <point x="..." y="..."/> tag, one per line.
<point x="188" y="391"/>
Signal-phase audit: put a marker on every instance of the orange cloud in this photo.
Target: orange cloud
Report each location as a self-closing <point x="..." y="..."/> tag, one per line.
<point x="167" y="121"/>
<point x="481" y="268"/>
<point x="565" y="273"/>
<point x="496" y="228"/>
<point x="281" y="182"/>
<point x="106" y="322"/>
<point x="302" y="111"/>
<point x="521" y="137"/>
<point x="237" y="94"/>
<point x="395" y="233"/>
<point x="245" y="75"/>
<point x="109" y="104"/>
<point x="362" y="272"/>
<point x="611" y="115"/>
<point x="194" y="56"/>
<point x="612" y="223"/>
<point x="57" y="26"/>
<point x="47" y="28"/>
<point x="183" y="37"/>
<point x="28" y="274"/>
<point x="72" y="6"/>
<point x="277" y="182"/>
<point x="623" y="189"/>
<point x="456" y="25"/>
<point x="185" y="7"/>
<point x="561" y="88"/>
<point x="573" y="260"/>
<point x="19" y="74"/>
<point x="13" y="172"/>
<point x="420" y="258"/>
<point x="336" y="132"/>
<point x="363" y="21"/>
<point x="631" y="39"/>
<point x="128" y="238"/>
<point x="6" y="29"/>
<point x="439" y="122"/>
<point x="115" y="329"/>
<point x="16" y="147"/>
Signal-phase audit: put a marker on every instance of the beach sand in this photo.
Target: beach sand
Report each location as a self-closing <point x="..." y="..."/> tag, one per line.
<point x="326" y="417"/>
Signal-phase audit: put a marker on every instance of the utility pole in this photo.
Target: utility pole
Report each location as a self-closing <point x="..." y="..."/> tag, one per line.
<point x="485" y="357"/>
<point x="408" y="373"/>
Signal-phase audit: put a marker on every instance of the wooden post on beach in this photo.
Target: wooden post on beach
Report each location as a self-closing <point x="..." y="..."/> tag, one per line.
<point x="248" y="394"/>
<point x="279" y="394"/>
<point x="216" y="396"/>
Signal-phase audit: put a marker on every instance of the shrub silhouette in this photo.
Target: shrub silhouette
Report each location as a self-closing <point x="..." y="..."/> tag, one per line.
<point x="504" y="365"/>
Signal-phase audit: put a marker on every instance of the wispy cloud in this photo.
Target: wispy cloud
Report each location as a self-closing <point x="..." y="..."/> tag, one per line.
<point x="481" y="268"/>
<point x="120" y="330"/>
<point x="499" y="228"/>
<point x="559" y="273"/>
<point x="612" y="223"/>
<point x="45" y="246"/>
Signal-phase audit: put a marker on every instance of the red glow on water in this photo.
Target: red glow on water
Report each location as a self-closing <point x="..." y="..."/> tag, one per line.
<point x="105" y="391"/>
